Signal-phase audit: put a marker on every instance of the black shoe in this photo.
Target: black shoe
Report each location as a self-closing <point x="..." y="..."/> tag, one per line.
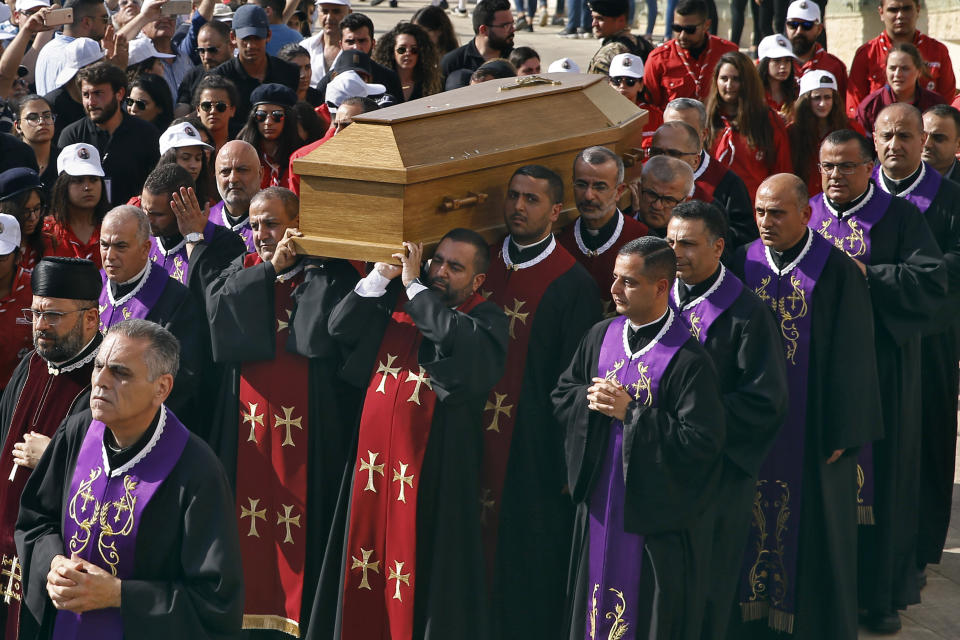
<point x="881" y="622"/>
<point x="568" y="33"/>
<point x="393" y="4"/>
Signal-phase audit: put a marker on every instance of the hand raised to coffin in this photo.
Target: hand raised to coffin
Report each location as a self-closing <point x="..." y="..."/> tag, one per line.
<point x="286" y="252"/>
<point x="411" y="260"/>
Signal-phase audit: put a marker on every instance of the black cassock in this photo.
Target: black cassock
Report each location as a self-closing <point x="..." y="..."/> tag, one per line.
<point x="240" y="306"/>
<point x="464" y="355"/>
<point x="671" y="460"/>
<point x="907" y="280"/>
<point x="188" y="581"/>
<point x="842" y="412"/>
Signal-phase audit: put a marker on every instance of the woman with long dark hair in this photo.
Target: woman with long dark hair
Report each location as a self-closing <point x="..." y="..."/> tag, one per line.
<point x="777" y="75"/>
<point x="626" y="76"/>
<point x="436" y="23"/>
<point x="77" y="206"/>
<point x="820" y="110"/>
<point x="150" y="100"/>
<point x="272" y="130"/>
<point x="182" y="144"/>
<point x="745" y="134"/>
<point x="33" y="119"/>
<point x="408" y="50"/>
<point x="23" y="198"/>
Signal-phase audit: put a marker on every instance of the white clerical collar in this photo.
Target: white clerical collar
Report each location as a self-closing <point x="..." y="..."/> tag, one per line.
<point x="706" y="294"/>
<point x="142" y="277"/>
<point x="606" y="245"/>
<point x="56" y="368"/>
<point x="790" y="267"/>
<point x="172" y="250"/>
<point x="905" y="192"/>
<point x="142" y="453"/>
<point x="226" y="220"/>
<point x="704" y="163"/>
<point x="505" y="252"/>
<point x="849" y="212"/>
<point x="668" y="314"/>
<point x="290" y="273"/>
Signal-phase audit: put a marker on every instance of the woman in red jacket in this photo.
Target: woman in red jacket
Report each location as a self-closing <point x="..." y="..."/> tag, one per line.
<point x="626" y="76"/>
<point x="745" y="134"/>
<point x="776" y="73"/>
<point x="820" y="110"/>
<point x="77" y="205"/>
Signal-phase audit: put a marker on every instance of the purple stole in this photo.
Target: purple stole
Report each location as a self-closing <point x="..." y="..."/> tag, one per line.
<point x="219" y="217"/>
<point x="700" y="313"/>
<point x="923" y="191"/>
<point x="175" y="261"/>
<point x="769" y="571"/>
<point x="137" y="303"/>
<point x="615" y="554"/>
<point x="103" y="513"/>
<point x="860" y="219"/>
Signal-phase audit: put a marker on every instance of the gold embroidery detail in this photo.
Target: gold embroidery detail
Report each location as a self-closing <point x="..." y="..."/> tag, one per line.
<point x="287" y="421"/>
<point x="421" y="379"/>
<point x="695" y="326"/>
<point x="254" y="419"/>
<point x="178" y="271"/>
<point x="108" y="552"/>
<point x="79" y="540"/>
<point x="400" y="474"/>
<point x="371" y="468"/>
<point x="364" y="566"/>
<point x="788" y="317"/>
<point x="619" y="627"/>
<point x="11" y="569"/>
<point x="761" y="292"/>
<point x="593" y="612"/>
<point x="853" y="245"/>
<point x="126" y="313"/>
<point x="252" y="513"/>
<point x="399" y="577"/>
<point x="386" y="370"/>
<point x="281" y="325"/>
<point x="498" y="408"/>
<point x="286" y="521"/>
<point x="514" y="315"/>
<point x="611" y="375"/>
<point x="644" y="385"/>
<point x="768" y="576"/>
<point x="861" y="479"/>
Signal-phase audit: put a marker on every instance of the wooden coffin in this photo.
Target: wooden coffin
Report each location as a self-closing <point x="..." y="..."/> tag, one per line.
<point x="416" y="170"/>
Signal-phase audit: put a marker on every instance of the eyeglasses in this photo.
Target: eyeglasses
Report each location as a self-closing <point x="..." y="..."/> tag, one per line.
<point x="208" y="106"/>
<point x="211" y="50"/>
<point x="105" y="19"/>
<point x="36" y="118"/>
<point x="413" y="50"/>
<point x="653" y="197"/>
<point x="37" y="211"/>
<point x="133" y="102"/>
<point x="627" y="80"/>
<point x="806" y="25"/>
<point x="673" y="153"/>
<point x="503" y="25"/>
<point x="687" y="28"/>
<point x="276" y="115"/>
<point x="845" y="168"/>
<point x="52" y="318"/>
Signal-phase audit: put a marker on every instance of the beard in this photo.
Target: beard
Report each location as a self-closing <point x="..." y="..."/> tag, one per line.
<point x="801" y="46"/>
<point x="500" y="44"/>
<point x="107" y="112"/>
<point x="64" y="348"/>
<point x="449" y="296"/>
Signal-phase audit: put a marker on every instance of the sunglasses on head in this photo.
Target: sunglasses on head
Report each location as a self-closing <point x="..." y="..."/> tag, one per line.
<point x="211" y="50"/>
<point x="806" y="25"/>
<point x="402" y="50"/>
<point x="132" y="102"/>
<point x="208" y="106"/>
<point x="277" y="115"/>
<point x="621" y="80"/>
<point x="686" y="28"/>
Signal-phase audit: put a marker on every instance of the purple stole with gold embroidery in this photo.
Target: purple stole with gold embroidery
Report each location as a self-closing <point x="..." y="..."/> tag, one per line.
<point x="769" y="571"/>
<point x="103" y="514"/>
<point x="616" y="554"/>
<point x="218" y="216"/>
<point x="699" y="314"/>
<point x="137" y="304"/>
<point x="923" y="191"/>
<point x="852" y="236"/>
<point x="175" y="260"/>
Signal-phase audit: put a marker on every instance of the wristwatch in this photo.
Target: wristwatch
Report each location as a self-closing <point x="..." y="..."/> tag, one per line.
<point x="196" y="236"/>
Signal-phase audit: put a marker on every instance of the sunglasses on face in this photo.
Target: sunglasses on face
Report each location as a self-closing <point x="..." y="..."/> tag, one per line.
<point x="624" y="80"/>
<point x="211" y="50"/>
<point x="208" y="106"/>
<point x="686" y="28"/>
<point x="139" y="104"/>
<point x="806" y="25"/>
<point x="402" y="50"/>
<point x="276" y="116"/>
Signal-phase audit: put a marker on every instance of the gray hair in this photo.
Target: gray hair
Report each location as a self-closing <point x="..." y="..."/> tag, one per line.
<point x="693" y="138"/>
<point x="667" y="169"/>
<point x="163" y="356"/>
<point x="290" y="201"/>
<point x="685" y="104"/>
<point x="597" y="156"/>
<point x="126" y="211"/>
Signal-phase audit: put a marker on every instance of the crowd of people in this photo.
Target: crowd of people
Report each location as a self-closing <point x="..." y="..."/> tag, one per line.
<point x="721" y="403"/>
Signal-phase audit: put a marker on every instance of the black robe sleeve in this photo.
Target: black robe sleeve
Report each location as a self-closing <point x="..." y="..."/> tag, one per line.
<point x="209" y="259"/>
<point x="358" y="324"/>
<point x="943" y="216"/>
<point x="731" y="195"/>
<point x="240" y="310"/>
<point x="324" y="285"/>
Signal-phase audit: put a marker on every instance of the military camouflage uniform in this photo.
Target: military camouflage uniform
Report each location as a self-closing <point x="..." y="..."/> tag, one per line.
<point x="620" y="42"/>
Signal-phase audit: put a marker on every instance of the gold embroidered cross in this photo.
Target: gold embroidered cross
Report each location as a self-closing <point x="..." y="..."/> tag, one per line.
<point x="364" y="566"/>
<point x="286" y="521"/>
<point x="371" y="468"/>
<point x="399" y="577"/>
<point x="254" y="419"/>
<point x="386" y="370"/>
<point x="11" y="569"/>
<point x="404" y="480"/>
<point x="497" y="408"/>
<point x="421" y="379"/>
<point x="281" y="325"/>
<point x="287" y="421"/>
<point x="514" y="315"/>
<point x="253" y="514"/>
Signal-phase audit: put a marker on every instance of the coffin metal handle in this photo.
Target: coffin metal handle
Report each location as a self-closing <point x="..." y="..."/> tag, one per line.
<point x="471" y="200"/>
<point x="633" y="157"/>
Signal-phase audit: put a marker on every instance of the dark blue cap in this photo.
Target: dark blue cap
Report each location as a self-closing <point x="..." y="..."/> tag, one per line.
<point x="15" y="181"/>
<point x="250" y="20"/>
<point x="274" y="94"/>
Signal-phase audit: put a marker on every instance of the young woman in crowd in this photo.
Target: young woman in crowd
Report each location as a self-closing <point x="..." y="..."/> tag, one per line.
<point x="408" y="50"/>
<point x="215" y="100"/>
<point x="150" y="100"/>
<point x="34" y="122"/>
<point x="77" y="206"/>
<point x="819" y="111"/>
<point x="295" y="54"/>
<point x="904" y="68"/>
<point x="23" y="198"/>
<point x="436" y="23"/>
<point x="310" y="126"/>
<point x="626" y="76"/>
<point x="272" y="130"/>
<point x="526" y="60"/>
<point x="745" y="134"/>
<point x="776" y="74"/>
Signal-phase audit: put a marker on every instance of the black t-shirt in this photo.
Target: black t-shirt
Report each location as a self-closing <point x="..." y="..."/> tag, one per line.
<point x="14" y="153"/>
<point x="67" y="109"/>
<point x="278" y="71"/>
<point x="189" y="84"/>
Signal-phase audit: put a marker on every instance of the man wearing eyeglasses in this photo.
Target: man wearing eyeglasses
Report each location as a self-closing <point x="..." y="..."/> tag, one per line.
<point x="90" y="20"/>
<point x="803" y="27"/>
<point x="868" y="70"/>
<point x="664" y="183"/>
<point x="50" y="383"/>
<point x="893" y="246"/>
<point x="683" y="67"/>
<point x="494" y="29"/>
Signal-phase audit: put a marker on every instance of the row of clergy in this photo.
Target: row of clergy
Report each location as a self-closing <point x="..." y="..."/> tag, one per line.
<point x="466" y="448"/>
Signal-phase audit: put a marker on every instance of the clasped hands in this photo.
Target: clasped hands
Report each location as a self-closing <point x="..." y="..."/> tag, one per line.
<point x="77" y="585"/>
<point x="609" y="398"/>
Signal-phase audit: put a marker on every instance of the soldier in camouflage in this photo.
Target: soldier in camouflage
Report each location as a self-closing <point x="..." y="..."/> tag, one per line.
<point x="611" y="27"/>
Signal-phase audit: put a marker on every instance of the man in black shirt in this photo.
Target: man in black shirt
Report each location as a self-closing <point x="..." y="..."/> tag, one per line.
<point x="128" y="145"/>
<point x="493" y="24"/>
<point x="252" y="66"/>
<point x="214" y="48"/>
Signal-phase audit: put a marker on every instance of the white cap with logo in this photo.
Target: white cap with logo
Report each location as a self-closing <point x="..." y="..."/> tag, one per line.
<point x="775" y="47"/>
<point x="80" y="159"/>
<point x="77" y="54"/>
<point x="804" y="10"/>
<point x="181" y="135"/>
<point x="818" y="79"/>
<point x="563" y="65"/>
<point x="626" y="64"/>
<point x="9" y="234"/>
<point x="349" y="84"/>
<point x="142" y="49"/>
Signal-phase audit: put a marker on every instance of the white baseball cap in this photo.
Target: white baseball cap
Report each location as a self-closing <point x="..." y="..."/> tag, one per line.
<point x="5" y="14"/>
<point x="774" y="47"/>
<point x="626" y="64"/>
<point x="343" y="3"/>
<point x="349" y="84"/>
<point x="9" y="234"/>
<point x="80" y="159"/>
<point x="563" y="65"/>
<point x="818" y="79"/>
<point x="26" y="5"/>
<point x="77" y="54"/>
<point x="804" y="10"/>
<point x="141" y="49"/>
<point x="181" y="135"/>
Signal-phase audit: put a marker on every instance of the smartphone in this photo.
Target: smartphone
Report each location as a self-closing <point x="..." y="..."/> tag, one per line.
<point x="176" y="7"/>
<point x="57" y="17"/>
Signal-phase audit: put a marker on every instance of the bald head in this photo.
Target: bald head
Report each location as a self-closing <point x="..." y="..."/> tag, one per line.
<point x="787" y="185"/>
<point x="782" y="211"/>
<point x="238" y="176"/>
<point x="678" y="140"/>
<point x="124" y="243"/>
<point x="898" y="138"/>
<point x="903" y="112"/>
